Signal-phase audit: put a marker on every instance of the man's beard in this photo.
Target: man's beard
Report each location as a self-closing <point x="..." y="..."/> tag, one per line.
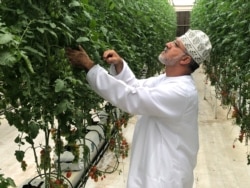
<point x="169" y="62"/>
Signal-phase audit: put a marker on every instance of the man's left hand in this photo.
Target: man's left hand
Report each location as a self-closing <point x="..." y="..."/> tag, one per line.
<point x="79" y="58"/>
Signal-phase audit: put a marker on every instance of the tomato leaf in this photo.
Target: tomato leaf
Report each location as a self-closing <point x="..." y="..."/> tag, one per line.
<point x="82" y="39"/>
<point x="19" y="155"/>
<point x="7" y="58"/>
<point x="59" y="85"/>
<point x="5" y="38"/>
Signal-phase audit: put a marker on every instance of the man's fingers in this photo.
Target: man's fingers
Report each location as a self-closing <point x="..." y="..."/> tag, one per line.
<point x="80" y="48"/>
<point x="108" y="54"/>
<point x="70" y="52"/>
<point x="105" y="55"/>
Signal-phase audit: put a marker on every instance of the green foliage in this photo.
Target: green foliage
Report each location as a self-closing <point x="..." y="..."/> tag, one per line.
<point x="227" y="24"/>
<point x="6" y="182"/>
<point x="137" y="30"/>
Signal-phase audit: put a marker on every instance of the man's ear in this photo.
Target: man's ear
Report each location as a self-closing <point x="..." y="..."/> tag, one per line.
<point x="185" y="60"/>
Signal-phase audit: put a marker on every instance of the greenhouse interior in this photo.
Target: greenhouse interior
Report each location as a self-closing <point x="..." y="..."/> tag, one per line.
<point x="62" y="128"/>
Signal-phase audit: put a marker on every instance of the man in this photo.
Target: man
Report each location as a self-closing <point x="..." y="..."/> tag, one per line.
<point x="165" y="143"/>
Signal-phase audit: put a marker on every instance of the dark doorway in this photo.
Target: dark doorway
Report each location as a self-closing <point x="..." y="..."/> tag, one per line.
<point x="183" y="22"/>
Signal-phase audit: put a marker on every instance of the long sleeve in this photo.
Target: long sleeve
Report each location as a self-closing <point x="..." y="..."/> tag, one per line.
<point x="141" y="97"/>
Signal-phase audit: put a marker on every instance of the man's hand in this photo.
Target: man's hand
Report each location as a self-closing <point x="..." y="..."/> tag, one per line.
<point x="79" y="58"/>
<point x="111" y="57"/>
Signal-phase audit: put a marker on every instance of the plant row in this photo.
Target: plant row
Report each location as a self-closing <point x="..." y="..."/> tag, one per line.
<point x="227" y="24"/>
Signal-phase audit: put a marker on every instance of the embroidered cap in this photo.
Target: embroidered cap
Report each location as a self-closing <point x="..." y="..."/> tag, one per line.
<point x="197" y="44"/>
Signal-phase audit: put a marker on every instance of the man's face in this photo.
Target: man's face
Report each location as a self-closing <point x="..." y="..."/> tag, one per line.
<point x="173" y="53"/>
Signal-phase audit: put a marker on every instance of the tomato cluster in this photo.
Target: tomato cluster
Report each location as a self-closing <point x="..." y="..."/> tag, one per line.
<point x="95" y="174"/>
<point x="23" y="165"/>
<point x="58" y="183"/>
<point x="45" y="158"/>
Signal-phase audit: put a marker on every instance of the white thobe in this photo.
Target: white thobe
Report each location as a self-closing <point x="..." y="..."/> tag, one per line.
<point x="165" y="142"/>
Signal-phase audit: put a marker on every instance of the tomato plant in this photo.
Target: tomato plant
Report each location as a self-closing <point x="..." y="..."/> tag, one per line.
<point x="6" y="182"/>
<point x="226" y="23"/>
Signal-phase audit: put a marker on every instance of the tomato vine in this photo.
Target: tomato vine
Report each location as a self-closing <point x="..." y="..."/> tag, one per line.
<point x="226" y="22"/>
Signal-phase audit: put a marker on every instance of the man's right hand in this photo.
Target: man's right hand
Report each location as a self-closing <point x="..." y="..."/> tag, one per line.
<point x="111" y="57"/>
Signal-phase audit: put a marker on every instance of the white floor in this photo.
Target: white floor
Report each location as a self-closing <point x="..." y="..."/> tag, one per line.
<point x="219" y="164"/>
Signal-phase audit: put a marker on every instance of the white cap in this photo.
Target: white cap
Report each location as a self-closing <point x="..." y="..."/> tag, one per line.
<point x="197" y="44"/>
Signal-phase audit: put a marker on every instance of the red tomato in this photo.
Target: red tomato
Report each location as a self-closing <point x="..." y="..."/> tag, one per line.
<point x="68" y="174"/>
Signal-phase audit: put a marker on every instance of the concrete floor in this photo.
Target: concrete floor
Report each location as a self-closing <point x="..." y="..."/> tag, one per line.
<point x="219" y="164"/>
